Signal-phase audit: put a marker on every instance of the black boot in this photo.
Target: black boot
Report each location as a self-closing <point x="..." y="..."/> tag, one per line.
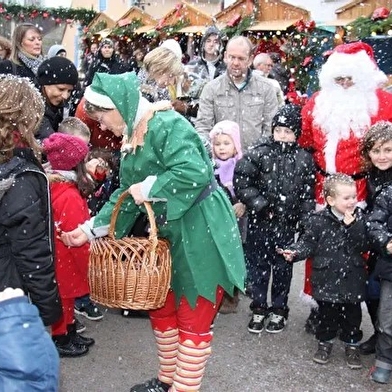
<point x="78" y="339"/>
<point x="369" y="347"/>
<point x="312" y="321"/>
<point x="67" y="348"/>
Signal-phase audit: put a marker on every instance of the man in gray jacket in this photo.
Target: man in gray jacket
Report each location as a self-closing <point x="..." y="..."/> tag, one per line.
<point x="238" y="95"/>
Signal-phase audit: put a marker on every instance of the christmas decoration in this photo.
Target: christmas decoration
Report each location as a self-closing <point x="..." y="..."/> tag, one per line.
<point x="379" y="23"/>
<point x="304" y="47"/>
<point x="128" y="29"/>
<point x="68" y="15"/>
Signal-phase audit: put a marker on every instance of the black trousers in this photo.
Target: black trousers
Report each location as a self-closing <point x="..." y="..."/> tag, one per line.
<point x="343" y="319"/>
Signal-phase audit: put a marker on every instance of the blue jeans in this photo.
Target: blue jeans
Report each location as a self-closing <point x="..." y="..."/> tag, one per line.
<point x="384" y="327"/>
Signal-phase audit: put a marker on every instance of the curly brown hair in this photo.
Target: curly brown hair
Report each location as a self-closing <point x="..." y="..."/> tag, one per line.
<point x="21" y="111"/>
<point x="5" y="44"/>
<point x="379" y="132"/>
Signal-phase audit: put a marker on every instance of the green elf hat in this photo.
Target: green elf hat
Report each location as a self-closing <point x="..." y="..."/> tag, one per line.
<point x="119" y="92"/>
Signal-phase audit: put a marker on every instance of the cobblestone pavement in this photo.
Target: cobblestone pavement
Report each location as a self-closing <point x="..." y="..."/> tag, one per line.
<point x="124" y="354"/>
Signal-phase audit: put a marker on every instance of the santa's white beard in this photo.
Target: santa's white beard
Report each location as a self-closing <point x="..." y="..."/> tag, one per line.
<point x="338" y="111"/>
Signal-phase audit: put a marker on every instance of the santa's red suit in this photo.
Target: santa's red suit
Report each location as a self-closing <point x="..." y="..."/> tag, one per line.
<point x="336" y="118"/>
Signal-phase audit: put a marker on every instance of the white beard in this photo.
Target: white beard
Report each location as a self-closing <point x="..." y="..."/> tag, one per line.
<point x="338" y="112"/>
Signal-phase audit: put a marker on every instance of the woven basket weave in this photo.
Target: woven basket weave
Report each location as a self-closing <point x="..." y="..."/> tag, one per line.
<point x="131" y="272"/>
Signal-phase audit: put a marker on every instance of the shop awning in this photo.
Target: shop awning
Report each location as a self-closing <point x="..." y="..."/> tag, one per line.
<point x="103" y="33"/>
<point x="272" y="25"/>
<point x="144" y="29"/>
<point x="337" y="22"/>
<point x="193" y="29"/>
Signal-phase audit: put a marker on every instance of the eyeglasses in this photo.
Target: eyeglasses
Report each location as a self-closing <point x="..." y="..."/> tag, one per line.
<point x="343" y="79"/>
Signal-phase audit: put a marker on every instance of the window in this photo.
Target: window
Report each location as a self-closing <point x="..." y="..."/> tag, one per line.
<point x="102" y="6"/>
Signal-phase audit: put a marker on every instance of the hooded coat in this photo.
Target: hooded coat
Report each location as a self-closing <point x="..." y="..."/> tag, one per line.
<point x="202" y="230"/>
<point x="26" y="234"/>
<point x="29" y="360"/>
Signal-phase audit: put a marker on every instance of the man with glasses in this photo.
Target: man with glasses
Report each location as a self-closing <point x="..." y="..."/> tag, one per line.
<point x="336" y="118"/>
<point x="263" y="63"/>
<point x="239" y="95"/>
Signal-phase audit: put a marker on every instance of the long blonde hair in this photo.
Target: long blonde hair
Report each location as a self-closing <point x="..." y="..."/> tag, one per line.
<point x="17" y="38"/>
<point x="21" y="111"/>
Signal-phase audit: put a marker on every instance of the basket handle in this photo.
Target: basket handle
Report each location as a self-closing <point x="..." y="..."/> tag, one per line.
<point x="150" y="213"/>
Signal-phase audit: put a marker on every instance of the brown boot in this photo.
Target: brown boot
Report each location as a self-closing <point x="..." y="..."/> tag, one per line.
<point x="229" y="304"/>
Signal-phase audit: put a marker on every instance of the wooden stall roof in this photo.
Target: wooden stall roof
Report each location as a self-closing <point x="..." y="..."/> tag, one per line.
<point x="268" y="11"/>
<point x="337" y="22"/>
<point x="188" y="12"/>
<point x="102" y="17"/>
<point x="136" y="13"/>
<point x="272" y="25"/>
<point x="357" y="8"/>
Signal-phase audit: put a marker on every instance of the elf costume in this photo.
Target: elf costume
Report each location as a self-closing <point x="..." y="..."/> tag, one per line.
<point x="162" y="151"/>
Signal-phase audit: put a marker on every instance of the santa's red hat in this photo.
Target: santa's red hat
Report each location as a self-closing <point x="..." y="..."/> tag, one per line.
<point x="355" y="59"/>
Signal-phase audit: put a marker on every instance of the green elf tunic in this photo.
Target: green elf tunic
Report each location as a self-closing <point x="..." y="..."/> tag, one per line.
<point x="203" y="233"/>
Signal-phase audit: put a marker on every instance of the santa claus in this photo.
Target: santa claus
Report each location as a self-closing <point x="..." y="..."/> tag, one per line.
<point x="336" y="118"/>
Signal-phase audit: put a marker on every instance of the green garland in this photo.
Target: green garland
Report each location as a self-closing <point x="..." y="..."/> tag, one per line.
<point x="366" y="27"/>
<point x="238" y="29"/>
<point x="128" y="29"/>
<point x="20" y="13"/>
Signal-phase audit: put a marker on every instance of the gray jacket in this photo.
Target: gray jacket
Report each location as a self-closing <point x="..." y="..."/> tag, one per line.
<point x="252" y="107"/>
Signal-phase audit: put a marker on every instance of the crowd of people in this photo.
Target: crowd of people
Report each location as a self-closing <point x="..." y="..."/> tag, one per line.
<point x="244" y="181"/>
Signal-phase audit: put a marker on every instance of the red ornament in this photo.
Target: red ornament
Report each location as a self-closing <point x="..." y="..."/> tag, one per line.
<point x="8" y="17"/>
<point x="380" y="13"/>
<point x="58" y="20"/>
<point x="307" y="61"/>
<point x="2" y="10"/>
<point x="69" y="21"/>
<point x="21" y="16"/>
<point x="45" y="15"/>
<point x="234" y="21"/>
<point x="34" y="14"/>
<point x="160" y="24"/>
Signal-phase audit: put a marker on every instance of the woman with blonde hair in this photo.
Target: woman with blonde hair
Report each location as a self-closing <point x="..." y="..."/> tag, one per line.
<point x="26" y="52"/>
<point x="26" y="232"/>
<point x="5" y="48"/>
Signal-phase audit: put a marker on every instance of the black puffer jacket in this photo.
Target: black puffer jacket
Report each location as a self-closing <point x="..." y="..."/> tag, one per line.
<point x="276" y="180"/>
<point x="379" y="224"/>
<point x="112" y="66"/>
<point x="26" y="234"/>
<point x="53" y="116"/>
<point x="338" y="266"/>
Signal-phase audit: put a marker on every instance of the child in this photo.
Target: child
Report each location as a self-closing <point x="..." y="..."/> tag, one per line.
<point x="377" y="154"/>
<point x="226" y="151"/>
<point x="83" y="304"/>
<point x="379" y="223"/>
<point x="335" y="238"/>
<point x="74" y="126"/>
<point x="69" y="186"/>
<point x="275" y="180"/>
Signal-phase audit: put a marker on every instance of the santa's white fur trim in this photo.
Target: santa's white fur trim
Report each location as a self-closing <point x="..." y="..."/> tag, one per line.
<point x="359" y="66"/>
<point x="308" y="300"/>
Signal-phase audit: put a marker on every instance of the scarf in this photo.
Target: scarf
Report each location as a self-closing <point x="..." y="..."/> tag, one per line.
<point x="225" y="171"/>
<point x="31" y="62"/>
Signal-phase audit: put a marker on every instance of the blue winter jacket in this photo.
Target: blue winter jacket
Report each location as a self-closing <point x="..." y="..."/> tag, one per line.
<point x="29" y="361"/>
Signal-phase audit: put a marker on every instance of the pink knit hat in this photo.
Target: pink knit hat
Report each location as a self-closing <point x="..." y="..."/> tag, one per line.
<point x="64" y="151"/>
<point x="230" y="128"/>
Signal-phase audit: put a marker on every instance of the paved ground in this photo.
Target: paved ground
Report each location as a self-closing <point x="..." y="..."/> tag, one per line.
<point x="124" y="354"/>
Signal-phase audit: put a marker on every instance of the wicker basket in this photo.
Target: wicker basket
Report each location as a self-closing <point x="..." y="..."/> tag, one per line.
<point x="132" y="272"/>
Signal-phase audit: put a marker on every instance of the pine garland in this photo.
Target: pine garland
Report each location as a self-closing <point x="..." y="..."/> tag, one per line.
<point x="366" y="27"/>
<point x="20" y="13"/>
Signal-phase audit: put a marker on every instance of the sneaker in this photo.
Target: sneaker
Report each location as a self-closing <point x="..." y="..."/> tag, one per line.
<point x="380" y="375"/>
<point x="89" y="311"/>
<point x="323" y="353"/>
<point x="153" y="385"/>
<point x="256" y="323"/>
<point x="368" y="347"/>
<point x="276" y="324"/>
<point x="79" y="326"/>
<point x="353" y="359"/>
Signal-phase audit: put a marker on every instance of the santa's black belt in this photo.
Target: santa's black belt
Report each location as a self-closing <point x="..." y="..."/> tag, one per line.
<point x="355" y="177"/>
